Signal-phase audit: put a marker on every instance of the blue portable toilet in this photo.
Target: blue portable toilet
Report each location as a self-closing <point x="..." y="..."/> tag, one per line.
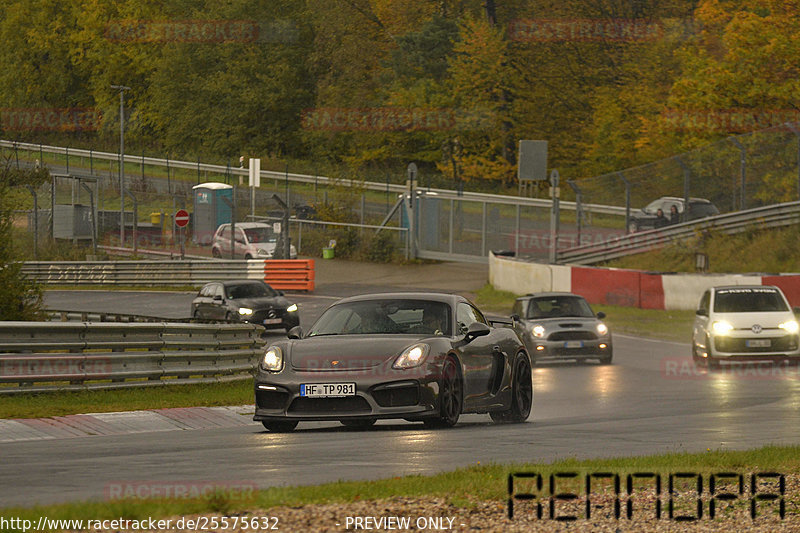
<point x="210" y="210"/>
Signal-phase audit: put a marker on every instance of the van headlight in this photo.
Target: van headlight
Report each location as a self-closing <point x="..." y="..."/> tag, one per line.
<point x="272" y="360"/>
<point x="721" y="327"/>
<point x="790" y="327"/>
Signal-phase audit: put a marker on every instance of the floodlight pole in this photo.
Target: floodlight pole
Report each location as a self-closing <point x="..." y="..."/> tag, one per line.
<point x="121" y="89"/>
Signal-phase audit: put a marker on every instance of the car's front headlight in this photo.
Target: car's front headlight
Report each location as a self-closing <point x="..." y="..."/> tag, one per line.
<point x="602" y="329"/>
<point x="292" y="308"/>
<point x="272" y="359"/>
<point x="721" y="327"/>
<point x="538" y="331"/>
<point x="245" y="311"/>
<point x="412" y="356"/>
<point x="790" y="326"/>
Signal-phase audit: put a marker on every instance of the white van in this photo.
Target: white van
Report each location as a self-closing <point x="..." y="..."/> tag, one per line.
<point x="254" y="240"/>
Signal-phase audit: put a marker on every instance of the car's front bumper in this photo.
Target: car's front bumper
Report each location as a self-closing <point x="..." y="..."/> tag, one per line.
<point x="541" y="349"/>
<point x="750" y="348"/>
<point x="396" y="395"/>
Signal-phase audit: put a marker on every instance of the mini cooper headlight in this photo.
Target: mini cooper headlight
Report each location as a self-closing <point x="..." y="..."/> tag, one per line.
<point x="602" y="329"/>
<point x="292" y="308"/>
<point x="790" y="326"/>
<point x="721" y="327"/>
<point x="412" y="356"/>
<point x="538" y="331"/>
<point x="245" y="311"/>
<point x="273" y="359"/>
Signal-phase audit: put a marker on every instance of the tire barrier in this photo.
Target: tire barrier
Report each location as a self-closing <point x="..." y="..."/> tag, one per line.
<point x="289" y="274"/>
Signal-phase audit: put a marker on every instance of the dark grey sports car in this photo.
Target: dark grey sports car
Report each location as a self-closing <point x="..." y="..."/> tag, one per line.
<point x="247" y="300"/>
<point x="417" y="356"/>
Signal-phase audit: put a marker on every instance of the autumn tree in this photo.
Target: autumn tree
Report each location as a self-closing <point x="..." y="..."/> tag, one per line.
<point x="20" y="298"/>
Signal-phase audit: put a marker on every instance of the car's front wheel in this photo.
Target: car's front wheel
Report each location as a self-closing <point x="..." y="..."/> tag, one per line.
<point x="633" y="226"/>
<point x="216" y="253"/>
<point x="279" y="426"/>
<point x="521" y="393"/>
<point x="606" y="359"/>
<point x="451" y="396"/>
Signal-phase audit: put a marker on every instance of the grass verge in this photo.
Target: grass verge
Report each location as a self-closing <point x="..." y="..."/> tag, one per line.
<point x="462" y="488"/>
<point x="106" y="401"/>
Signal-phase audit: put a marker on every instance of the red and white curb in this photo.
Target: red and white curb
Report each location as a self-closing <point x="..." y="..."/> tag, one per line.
<point x="100" y="424"/>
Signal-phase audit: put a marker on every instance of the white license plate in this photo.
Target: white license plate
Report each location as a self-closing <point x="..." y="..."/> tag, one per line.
<point x="327" y="390"/>
<point x="758" y="343"/>
<point x="573" y="344"/>
<point x="272" y="321"/>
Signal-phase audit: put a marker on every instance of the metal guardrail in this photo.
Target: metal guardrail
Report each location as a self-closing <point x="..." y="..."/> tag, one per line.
<point x="307" y="178"/>
<point x="772" y="216"/>
<point x="48" y="356"/>
<point x="170" y="273"/>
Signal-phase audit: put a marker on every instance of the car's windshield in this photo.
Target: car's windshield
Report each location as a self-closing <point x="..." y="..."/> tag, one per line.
<point x="558" y="306"/>
<point x="746" y="300"/>
<point x="249" y="290"/>
<point x="263" y="234"/>
<point x="367" y="317"/>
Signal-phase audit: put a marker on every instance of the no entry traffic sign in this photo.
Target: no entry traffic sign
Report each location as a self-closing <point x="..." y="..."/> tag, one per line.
<point x="181" y="218"/>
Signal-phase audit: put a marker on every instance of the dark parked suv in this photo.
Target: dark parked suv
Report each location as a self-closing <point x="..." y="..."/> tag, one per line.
<point x="648" y="217"/>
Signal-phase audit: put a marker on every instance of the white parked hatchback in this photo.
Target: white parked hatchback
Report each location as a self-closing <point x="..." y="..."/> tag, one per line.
<point x="744" y="323"/>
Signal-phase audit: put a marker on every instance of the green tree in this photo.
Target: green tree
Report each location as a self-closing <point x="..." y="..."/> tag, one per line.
<point x="20" y="298"/>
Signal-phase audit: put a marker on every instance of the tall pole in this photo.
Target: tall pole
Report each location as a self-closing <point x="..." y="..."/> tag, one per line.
<point x="121" y="89"/>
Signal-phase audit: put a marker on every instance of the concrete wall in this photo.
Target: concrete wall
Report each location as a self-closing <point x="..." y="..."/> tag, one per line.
<point x="633" y="288"/>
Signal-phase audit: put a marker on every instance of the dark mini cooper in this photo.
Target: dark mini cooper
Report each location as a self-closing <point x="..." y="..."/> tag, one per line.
<point x="248" y="300"/>
<point x="414" y="356"/>
<point x="561" y="325"/>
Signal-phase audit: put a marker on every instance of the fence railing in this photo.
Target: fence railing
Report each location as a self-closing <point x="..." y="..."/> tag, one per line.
<point x="48" y="356"/>
<point x="772" y="216"/>
<point x="170" y="273"/>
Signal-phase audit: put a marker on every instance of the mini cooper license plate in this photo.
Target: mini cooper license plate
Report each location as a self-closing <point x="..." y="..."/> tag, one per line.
<point x="758" y="343"/>
<point x="327" y="390"/>
<point x="272" y="321"/>
<point x="573" y="344"/>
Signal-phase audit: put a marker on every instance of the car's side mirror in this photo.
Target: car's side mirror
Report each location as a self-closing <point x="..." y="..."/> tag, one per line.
<point x="701" y="312"/>
<point x="515" y="317"/>
<point x="477" y="329"/>
<point x="601" y="315"/>
<point x="295" y="333"/>
<point x="280" y="293"/>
